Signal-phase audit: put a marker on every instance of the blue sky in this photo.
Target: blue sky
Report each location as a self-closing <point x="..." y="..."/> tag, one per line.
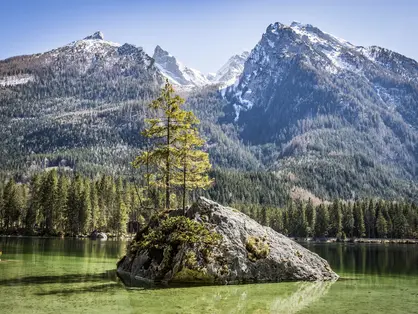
<point x="202" y="34"/>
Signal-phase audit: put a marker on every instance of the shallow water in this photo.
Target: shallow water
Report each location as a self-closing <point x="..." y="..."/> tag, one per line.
<point x="77" y="276"/>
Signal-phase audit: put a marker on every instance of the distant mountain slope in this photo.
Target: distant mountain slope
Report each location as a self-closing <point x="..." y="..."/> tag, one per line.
<point x="176" y="72"/>
<point x="85" y="98"/>
<point x="180" y="75"/>
<point x="322" y="101"/>
<point x="83" y="105"/>
<point x="231" y="70"/>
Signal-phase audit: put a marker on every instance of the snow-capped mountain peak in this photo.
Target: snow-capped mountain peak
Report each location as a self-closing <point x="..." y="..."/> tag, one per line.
<point x="232" y="69"/>
<point x="284" y="50"/>
<point x="97" y="35"/>
<point x="176" y="72"/>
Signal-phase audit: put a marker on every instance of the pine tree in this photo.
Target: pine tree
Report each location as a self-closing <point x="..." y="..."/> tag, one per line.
<point x="12" y="204"/>
<point x="322" y="221"/>
<point x="336" y="220"/>
<point x="311" y="217"/>
<point x="74" y="202"/>
<point x="85" y="207"/>
<point x="370" y="218"/>
<point x="103" y="210"/>
<point x="360" y="228"/>
<point x="94" y="205"/>
<point x="302" y="222"/>
<point x="61" y="203"/>
<point x="49" y="199"/>
<point x="34" y="207"/>
<point x="348" y="221"/>
<point x="381" y="225"/>
<point x="121" y="214"/>
<point x="165" y="130"/>
<point x="193" y="163"/>
<point x="1" y="207"/>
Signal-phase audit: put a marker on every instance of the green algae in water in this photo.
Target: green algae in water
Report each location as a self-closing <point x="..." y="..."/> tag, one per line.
<point x="78" y="276"/>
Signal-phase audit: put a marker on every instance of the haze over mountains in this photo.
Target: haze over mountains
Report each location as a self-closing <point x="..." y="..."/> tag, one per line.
<point x="326" y="116"/>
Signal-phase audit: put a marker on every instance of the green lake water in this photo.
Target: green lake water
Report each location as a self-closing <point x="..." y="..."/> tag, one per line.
<point x="77" y="276"/>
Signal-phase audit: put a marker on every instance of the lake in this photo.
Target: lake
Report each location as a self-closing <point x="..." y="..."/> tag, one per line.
<point x="77" y="276"/>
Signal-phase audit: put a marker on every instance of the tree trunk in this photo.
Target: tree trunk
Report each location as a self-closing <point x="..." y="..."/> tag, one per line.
<point x="167" y="176"/>
<point x="184" y="187"/>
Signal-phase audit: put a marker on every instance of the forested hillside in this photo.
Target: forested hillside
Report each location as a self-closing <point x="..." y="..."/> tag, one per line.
<point x="329" y="118"/>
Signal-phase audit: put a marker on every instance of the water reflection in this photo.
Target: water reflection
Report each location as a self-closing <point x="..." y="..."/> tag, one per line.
<point x="80" y="273"/>
<point x="254" y="298"/>
<point x="377" y="259"/>
<point x="307" y="294"/>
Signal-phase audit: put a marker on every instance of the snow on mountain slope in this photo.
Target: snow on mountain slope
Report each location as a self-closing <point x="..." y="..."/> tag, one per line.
<point x="231" y="70"/>
<point x="284" y="49"/>
<point x="179" y="74"/>
<point x="176" y="72"/>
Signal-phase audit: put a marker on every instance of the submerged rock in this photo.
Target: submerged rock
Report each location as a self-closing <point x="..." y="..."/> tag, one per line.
<point x="235" y="249"/>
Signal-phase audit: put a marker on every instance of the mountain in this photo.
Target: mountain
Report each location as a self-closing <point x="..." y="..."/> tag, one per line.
<point x="179" y="74"/>
<point x="83" y="105"/>
<point x="231" y="70"/>
<point x="176" y="72"/>
<point x="79" y="104"/>
<point x="325" y="117"/>
<point x="342" y="119"/>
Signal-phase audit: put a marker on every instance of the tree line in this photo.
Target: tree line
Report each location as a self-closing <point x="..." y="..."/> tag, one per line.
<point x="366" y="218"/>
<point x="66" y="203"/>
<point x="60" y="202"/>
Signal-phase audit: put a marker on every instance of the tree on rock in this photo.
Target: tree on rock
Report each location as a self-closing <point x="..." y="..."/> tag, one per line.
<point x="194" y="163"/>
<point x="174" y="152"/>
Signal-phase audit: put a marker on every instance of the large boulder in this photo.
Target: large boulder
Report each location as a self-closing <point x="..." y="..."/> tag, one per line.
<point x="246" y="252"/>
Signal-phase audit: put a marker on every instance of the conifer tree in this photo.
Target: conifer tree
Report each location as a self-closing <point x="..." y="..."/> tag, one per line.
<point x="11" y="203"/>
<point x="193" y="163"/>
<point x="301" y="221"/>
<point x="381" y="225"/>
<point x="121" y="217"/>
<point x="348" y="221"/>
<point x="35" y="203"/>
<point x="336" y="221"/>
<point x="164" y="129"/>
<point x="1" y="207"/>
<point x="101" y="193"/>
<point x="49" y="199"/>
<point x="175" y="141"/>
<point x="322" y="221"/>
<point x="360" y="228"/>
<point x="311" y="217"/>
<point x="74" y="202"/>
<point x="61" y="203"/>
<point x="85" y="207"/>
<point x="94" y="205"/>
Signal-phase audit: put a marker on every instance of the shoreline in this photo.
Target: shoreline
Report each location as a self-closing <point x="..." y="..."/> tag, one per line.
<point x="299" y="240"/>
<point x="356" y="240"/>
<point x="109" y="237"/>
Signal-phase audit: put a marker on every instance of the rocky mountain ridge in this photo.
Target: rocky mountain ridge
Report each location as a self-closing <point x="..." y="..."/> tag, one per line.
<point x="335" y="119"/>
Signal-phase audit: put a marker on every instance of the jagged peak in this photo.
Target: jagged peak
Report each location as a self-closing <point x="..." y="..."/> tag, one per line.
<point x="129" y="49"/>
<point x="160" y="52"/>
<point x="97" y="35"/>
<point x="296" y="24"/>
<point x="274" y="27"/>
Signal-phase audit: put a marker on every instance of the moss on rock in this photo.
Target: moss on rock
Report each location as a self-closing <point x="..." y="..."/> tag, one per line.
<point x="187" y="275"/>
<point x="257" y="248"/>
